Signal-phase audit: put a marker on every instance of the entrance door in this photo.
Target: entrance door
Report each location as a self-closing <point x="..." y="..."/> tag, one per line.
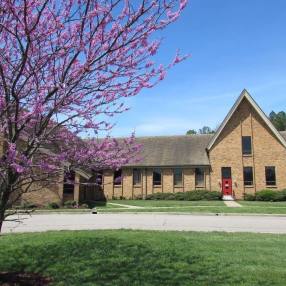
<point x="226" y="181"/>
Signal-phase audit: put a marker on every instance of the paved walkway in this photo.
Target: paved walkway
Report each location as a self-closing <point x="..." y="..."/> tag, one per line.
<point x="126" y="206"/>
<point x="232" y="204"/>
<point x="44" y="222"/>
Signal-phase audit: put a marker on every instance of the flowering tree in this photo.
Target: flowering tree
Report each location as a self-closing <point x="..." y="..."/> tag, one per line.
<point x="65" y="67"/>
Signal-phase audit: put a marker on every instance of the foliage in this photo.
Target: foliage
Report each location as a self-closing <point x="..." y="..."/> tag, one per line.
<point x="53" y="205"/>
<point x="191" y="132"/>
<point x="65" y="69"/>
<point x="206" y="130"/>
<point x="195" y="195"/>
<point x="120" y="257"/>
<point x="203" y="130"/>
<point x="278" y="120"/>
<point x="249" y="197"/>
<point x="70" y="204"/>
<point x="266" y="195"/>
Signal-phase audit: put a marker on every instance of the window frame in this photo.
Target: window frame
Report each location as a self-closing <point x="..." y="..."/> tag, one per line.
<point x="138" y="184"/>
<point x="246" y="151"/>
<point x="203" y="185"/>
<point x="174" y="177"/>
<point x="267" y="182"/>
<point x="117" y="184"/>
<point x="156" y="183"/>
<point x="248" y="183"/>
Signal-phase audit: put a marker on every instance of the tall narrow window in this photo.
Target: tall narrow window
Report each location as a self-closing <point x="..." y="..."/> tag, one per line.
<point x="178" y="177"/>
<point x="246" y="145"/>
<point x="157" y="177"/>
<point x="270" y="176"/>
<point x="137" y="177"/>
<point x="200" y="177"/>
<point x="69" y="178"/>
<point x="99" y="178"/>
<point x="117" y="179"/>
<point x="248" y="176"/>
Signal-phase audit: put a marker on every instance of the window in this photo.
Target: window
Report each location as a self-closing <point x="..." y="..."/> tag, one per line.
<point x="248" y="176"/>
<point x="157" y="177"/>
<point x="178" y="177"/>
<point x="99" y="178"/>
<point x="200" y="177"/>
<point x="226" y="172"/>
<point x="136" y="177"/>
<point x="270" y="176"/>
<point x="246" y="145"/>
<point x="117" y="177"/>
<point x="69" y="178"/>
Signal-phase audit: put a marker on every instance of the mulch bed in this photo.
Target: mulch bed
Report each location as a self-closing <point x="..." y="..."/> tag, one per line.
<point x="23" y="279"/>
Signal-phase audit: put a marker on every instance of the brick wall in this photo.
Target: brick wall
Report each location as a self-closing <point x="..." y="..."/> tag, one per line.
<point x="227" y="152"/>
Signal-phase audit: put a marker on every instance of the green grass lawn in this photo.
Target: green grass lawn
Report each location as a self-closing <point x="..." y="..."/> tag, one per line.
<point x="147" y="257"/>
<point x="195" y="207"/>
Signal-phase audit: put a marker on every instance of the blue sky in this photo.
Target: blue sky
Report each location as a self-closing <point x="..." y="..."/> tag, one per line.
<point x="235" y="44"/>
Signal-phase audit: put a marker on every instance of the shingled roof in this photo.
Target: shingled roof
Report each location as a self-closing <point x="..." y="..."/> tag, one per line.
<point x="189" y="150"/>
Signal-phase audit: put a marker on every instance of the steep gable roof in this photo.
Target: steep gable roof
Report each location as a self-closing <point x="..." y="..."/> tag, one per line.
<point x="245" y="95"/>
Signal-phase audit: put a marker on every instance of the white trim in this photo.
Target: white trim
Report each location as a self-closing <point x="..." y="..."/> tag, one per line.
<point x="246" y="95"/>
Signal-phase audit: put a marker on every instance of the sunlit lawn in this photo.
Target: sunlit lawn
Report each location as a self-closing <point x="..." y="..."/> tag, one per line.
<point x="120" y="257"/>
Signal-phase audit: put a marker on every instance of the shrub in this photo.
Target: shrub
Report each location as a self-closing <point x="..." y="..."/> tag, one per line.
<point x="53" y="205"/>
<point x="267" y="195"/>
<point x="27" y="205"/>
<point x="249" y="197"/>
<point x="198" y="195"/>
<point x="70" y="204"/>
<point x="84" y="206"/>
<point x="280" y="196"/>
<point x="186" y="196"/>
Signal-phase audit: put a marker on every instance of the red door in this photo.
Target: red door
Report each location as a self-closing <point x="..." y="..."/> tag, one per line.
<point x="226" y="181"/>
<point x="227" y="187"/>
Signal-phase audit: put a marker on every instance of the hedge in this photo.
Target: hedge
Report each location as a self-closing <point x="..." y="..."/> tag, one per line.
<point x="267" y="195"/>
<point x="195" y="195"/>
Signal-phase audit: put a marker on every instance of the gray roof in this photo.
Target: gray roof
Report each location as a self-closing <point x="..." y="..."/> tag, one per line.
<point x="188" y="150"/>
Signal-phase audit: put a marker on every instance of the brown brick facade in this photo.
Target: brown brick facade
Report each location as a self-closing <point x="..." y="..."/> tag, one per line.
<point x="224" y="150"/>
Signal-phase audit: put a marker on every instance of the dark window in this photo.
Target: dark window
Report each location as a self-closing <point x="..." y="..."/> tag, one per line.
<point x="117" y="177"/>
<point x="200" y="177"/>
<point x="178" y="177"/>
<point x="99" y="178"/>
<point x="69" y="179"/>
<point x="248" y="176"/>
<point x="157" y="177"/>
<point x="246" y="145"/>
<point x="226" y="173"/>
<point x="136" y="177"/>
<point x="270" y="176"/>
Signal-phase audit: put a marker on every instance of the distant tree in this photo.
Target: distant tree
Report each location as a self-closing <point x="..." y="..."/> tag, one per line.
<point x="206" y="130"/>
<point x="191" y="132"/>
<point x="278" y="120"/>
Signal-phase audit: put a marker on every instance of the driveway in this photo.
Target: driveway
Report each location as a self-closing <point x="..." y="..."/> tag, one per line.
<point x="181" y="222"/>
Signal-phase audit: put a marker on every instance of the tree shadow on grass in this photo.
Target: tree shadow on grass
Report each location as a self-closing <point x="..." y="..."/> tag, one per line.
<point x="102" y="261"/>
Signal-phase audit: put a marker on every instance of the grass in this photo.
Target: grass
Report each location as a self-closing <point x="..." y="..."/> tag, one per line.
<point x="148" y="258"/>
<point x="196" y="207"/>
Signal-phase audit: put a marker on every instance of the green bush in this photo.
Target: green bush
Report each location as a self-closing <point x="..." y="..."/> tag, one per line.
<point x="70" y="204"/>
<point x="53" y="205"/>
<point x="280" y="196"/>
<point x="27" y="205"/>
<point x="195" y="195"/>
<point x="198" y="195"/>
<point x="267" y="195"/>
<point x="249" y="197"/>
<point x="84" y="206"/>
